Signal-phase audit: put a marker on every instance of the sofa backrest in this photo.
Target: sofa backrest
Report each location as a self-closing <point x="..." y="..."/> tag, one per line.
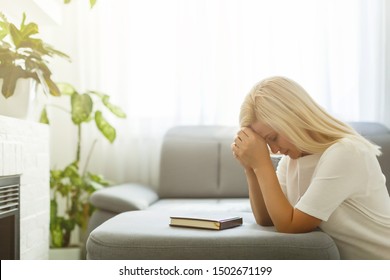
<point x="197" y="162"/>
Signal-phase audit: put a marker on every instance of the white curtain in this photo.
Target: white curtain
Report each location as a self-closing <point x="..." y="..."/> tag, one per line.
<point x="185" y="62"/>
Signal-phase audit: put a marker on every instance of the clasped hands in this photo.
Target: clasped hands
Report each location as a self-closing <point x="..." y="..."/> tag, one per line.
<point x="249" y="148"/>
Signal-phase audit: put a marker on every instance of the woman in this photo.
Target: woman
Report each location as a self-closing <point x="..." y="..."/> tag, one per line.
<point x="329" y="177"/>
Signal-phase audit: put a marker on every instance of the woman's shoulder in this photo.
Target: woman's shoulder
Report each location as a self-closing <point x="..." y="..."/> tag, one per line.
<point x="348" y="144"/>
<point x="351" y="148"/>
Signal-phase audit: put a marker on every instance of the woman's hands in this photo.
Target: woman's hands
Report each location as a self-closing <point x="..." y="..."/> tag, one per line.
<point x="250" y="149"/>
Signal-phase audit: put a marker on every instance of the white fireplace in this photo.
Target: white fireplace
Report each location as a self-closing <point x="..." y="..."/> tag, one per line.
<point x="24" y="150"/>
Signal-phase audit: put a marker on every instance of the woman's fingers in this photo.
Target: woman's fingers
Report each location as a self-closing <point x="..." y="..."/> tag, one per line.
<point x="245" y="130"/>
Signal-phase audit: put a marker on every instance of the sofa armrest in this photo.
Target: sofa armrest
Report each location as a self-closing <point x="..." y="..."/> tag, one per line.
<point x="124" y="197"/>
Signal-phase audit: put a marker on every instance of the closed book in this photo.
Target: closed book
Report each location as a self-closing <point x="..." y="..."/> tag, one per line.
<point x="206" y="222"/>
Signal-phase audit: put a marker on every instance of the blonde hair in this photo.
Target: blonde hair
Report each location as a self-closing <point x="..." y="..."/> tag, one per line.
<point x="287" y="108"/>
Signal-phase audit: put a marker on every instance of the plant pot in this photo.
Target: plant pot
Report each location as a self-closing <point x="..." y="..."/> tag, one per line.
<point x="21" y="104"/>
<point x="68" y="253"/>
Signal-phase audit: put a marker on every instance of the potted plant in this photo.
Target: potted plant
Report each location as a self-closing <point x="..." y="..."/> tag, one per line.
<point x="74" y="184"/>
<point x="22" y="56"/>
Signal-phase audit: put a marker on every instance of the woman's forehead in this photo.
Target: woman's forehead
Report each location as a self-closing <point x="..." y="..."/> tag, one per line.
<point x="262" y="129"/>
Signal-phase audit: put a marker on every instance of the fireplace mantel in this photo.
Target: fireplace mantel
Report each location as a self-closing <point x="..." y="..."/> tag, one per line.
<point x="24" y="149"/>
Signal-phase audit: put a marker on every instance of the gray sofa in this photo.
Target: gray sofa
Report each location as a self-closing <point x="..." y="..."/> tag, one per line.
<point x="198" y="174"/>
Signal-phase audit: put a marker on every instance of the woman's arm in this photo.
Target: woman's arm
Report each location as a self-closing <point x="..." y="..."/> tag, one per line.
<point x="255" y="196"/>
<point x="252" y="151"/>
<point x="285" y="217"/>
<point x="256" y="199"/>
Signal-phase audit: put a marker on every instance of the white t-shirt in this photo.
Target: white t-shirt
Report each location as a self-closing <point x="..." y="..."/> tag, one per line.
<point x="345" y="188"/>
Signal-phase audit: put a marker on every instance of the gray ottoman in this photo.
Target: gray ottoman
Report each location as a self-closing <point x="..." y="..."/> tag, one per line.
<point x="147" y="235"/>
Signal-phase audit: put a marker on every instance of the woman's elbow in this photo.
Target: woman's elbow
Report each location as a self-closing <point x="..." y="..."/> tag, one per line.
<point x="265" y="222"/>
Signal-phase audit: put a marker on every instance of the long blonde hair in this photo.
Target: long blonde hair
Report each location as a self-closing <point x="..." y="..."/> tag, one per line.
<point x="287" y="108"/>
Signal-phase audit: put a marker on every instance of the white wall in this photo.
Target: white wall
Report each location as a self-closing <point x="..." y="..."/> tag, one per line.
<point x="24" y="149"/>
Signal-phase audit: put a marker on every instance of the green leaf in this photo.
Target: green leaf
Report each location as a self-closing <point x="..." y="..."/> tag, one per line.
<point x="68" y="225"/>
<point x="53" y="89"/>
<point x="23" y="21"/>
<point x="48" y="86"/>
<point x="113" y="108"/>
<point x="81" y="107"/>
<point x="27" y="30"/>
<point x="55" y="225"/>
<point x="66" y="89"/>
<point x="9" y="80"/>
<point x="43" y="74"/>
<point x="64" y="189"/>
<point x="3" y="34"/>
<point x="51" y="51"/>
<point x="16" y="35"/>
<point x="4" y="29"/>
<point x="67" y="1"/>
<point x="95" y="186"/>
<point x="97" y="93"/>
<point x="56" y="236"/>
<point x="98" y="179"/>
<point x="71" y="171"/>
<point x="53" y="210"/>
<point x="105" y="128"/>
<point x="56" y="174"/>
<point x="44" y="118"/>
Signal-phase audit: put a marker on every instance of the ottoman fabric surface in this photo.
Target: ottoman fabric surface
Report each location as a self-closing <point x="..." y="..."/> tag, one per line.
<point x="147" y="235"/>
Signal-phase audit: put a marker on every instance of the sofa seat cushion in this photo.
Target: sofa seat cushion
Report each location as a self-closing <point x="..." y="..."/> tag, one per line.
<point x="147" y="235"/>
<point x="200" y="204"/>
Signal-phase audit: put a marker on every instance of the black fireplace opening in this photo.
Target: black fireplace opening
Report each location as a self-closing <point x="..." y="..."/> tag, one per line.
<point x="9" y="217"/>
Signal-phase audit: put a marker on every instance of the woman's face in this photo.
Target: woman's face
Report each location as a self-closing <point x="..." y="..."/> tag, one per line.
<point x="276" y="141"/>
